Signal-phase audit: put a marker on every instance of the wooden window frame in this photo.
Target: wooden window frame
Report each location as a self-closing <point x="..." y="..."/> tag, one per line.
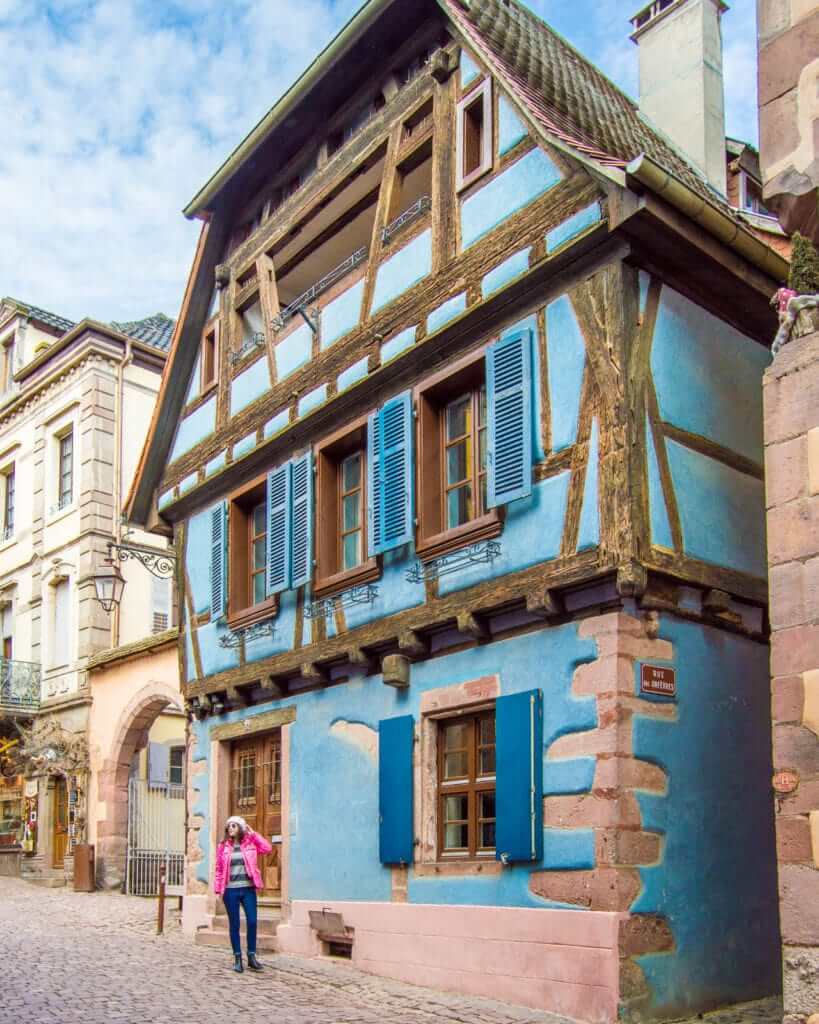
<point x="65" y="498"/>
<point x="240" y="504"/>
<point x="176" y="747"/>
<point x="329" y="453"/>
<point x="471" y="786"/>
<point x="482" y="93"/>
<point x="432" y="539"/>
<point x="210" y="338"/>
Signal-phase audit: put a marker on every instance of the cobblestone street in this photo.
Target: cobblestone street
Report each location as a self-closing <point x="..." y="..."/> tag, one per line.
<point x="73" y="958"/>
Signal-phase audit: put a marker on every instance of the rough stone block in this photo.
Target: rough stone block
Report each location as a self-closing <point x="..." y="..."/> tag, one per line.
<point x="793" y="839"/>
<point x="796" y="747"/>
<point x="787" y="700"/>
<point x="813" y="819"/>
<point x="793" y="531"/>
<point x="627" y="847"/>
<point x="786" y="471"/>
<point x="613" y="674"/>
<point x="774" y="17"/>
<point x="800" y="980"/>
<point x="787" y="595"/>
<point x="782" y="59"/>
<point x="644" y="933"/>
<point x="799" y="903"/>
<point x="804" y="800"/>
<point x="629" y="773"/>
<point x="813" y="460"/>
<point x="604" y="888"/>
<point x="794" y="650"/>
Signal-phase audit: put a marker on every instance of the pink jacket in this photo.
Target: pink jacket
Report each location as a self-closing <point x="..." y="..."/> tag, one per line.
<point x="252" y="845"/>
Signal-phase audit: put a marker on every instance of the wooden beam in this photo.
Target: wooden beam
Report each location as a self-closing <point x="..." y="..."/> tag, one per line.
<point x="632" y="579"/>
<point x="705" y="446"/>
<point x="544" y="602"/>
<point x="314" y="674"/>
<point x="274" y="688"/>
<point x="361" y="659"/>
<point x="471" y="625"/>
<point x="412" y="645"/>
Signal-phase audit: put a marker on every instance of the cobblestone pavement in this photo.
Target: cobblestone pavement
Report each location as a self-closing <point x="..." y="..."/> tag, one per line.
<point x="76" y="958"/>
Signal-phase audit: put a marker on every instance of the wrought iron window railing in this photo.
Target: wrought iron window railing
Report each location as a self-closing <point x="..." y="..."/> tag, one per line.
<point x="255" y="341"/>
<point x="19" y="685"/>
<point x="312" y="293"/>
<point x="412" y="213"/>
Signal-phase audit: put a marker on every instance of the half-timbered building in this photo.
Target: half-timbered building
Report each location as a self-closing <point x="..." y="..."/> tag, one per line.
<point x="460" y="445"/>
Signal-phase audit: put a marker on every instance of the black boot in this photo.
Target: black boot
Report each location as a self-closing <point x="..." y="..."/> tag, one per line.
<point x="253" y="962"/>
<point x="237" y="963"/>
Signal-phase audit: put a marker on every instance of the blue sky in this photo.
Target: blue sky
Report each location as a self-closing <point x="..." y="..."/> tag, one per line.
<point x="115" y="112"/>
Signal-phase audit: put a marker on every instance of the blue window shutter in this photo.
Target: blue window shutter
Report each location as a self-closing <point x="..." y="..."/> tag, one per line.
<point x="394" y="506"/>
<point x="509" y="409"/>
<point x="374" y="517"/>
<point x="278" y="529"/>
<point x="218" y="561"/>
<point x="395" y="833"/>
<point x="519" y="776"/>
<point x="302" y="520"/>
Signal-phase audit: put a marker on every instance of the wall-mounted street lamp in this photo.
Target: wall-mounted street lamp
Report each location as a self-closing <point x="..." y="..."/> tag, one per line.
<point x="109" y="582"/>
<point x="109" y="585"/>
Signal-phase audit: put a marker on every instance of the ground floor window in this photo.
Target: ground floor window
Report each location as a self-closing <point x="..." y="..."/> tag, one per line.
<point x="466" y="786"/>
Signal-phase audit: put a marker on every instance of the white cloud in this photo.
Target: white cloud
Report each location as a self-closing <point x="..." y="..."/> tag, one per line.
<point x="115" y="112"/>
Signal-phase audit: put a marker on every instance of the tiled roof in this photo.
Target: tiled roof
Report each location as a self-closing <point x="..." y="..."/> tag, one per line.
<point x="565" y="93"/>
<point x="42" y="315"/>
<point x="154" y="330"/>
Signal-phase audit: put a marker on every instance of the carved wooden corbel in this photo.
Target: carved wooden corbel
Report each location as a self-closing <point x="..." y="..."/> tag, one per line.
<point x="395" y="669"/>
<point x="632" y="579"/>
<point x="544" y="602"/>
<point x="472" y="626"/>
<point x="412" y="645"/>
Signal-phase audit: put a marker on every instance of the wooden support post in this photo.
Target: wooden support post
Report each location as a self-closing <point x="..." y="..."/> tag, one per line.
<point x="412" y="645"/>
<point x="472" y="626"/>
<point x="160" y="910"/>
<point x="238" y="696"/>
<point x="632" y="579"/>
<point x="716" y="601"/>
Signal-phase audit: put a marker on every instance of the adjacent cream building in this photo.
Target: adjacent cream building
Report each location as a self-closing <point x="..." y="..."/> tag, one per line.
<point x="75" y="404"/>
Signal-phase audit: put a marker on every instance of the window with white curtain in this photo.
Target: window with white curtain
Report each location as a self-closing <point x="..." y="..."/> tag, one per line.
<point x="160" y="605"/>
<point x="61" y="624"/>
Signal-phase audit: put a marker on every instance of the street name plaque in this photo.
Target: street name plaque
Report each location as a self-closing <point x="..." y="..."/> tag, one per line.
<point x="658" y="681"/>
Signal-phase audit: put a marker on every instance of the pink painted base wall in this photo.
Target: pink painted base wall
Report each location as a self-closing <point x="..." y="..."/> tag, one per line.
<point x="563" y="961"/>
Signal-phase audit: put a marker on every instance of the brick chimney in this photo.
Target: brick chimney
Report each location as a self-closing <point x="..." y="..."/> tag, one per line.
<point x="681" y="88"/>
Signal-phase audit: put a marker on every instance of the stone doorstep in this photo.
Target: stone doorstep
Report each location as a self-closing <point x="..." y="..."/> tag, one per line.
<point x="46" y="882"/>
<point x="208" y="937"/>
<point x="266" y="925"/>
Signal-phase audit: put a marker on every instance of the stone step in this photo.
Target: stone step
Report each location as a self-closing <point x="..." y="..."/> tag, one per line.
<point x="216" y="937"/>
<point x="46" y="881"/>
<point x="267" y="925"/>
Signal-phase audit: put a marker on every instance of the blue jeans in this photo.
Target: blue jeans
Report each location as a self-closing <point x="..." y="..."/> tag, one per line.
<point x="235" y="898"/>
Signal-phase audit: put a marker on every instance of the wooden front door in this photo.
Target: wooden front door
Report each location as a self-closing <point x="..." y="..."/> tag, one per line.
<point x="59" y="818"/>
<point x="256" y="794"/>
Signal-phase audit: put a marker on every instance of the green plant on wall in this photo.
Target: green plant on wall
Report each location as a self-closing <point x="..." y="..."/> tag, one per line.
<point x="804" y="273"/>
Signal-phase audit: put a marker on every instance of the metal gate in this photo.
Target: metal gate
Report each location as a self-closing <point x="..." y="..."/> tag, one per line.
<point x="156" y="836"/>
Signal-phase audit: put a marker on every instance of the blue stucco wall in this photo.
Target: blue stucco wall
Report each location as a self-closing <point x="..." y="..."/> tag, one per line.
<point x="194" y="428"/>
<point x="350" y="869"/>
<point x="589" y="531"/>
<point x="515" y="187"/>
<point x="566" y="352"/>
<point x="716" y="879"/>
<point x="658" y="513"/>
<point x="294" y="351"/>
<point x="511" y="130"/>
<point x="722" y="511"/>
<point x="250" y="384"/>
<point x="708" y="376"/>
<point x="402" y="270"/>
<point x="341" y="315"/>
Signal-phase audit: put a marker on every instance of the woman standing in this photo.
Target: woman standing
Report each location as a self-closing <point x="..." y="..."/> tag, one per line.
<point x="236" y="879"/>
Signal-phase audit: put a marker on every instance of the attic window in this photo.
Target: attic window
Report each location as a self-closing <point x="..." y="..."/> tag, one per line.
<point x="474" y="135"/>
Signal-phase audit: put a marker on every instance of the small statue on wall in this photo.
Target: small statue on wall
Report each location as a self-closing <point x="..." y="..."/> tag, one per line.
<point x="797" y="305"/>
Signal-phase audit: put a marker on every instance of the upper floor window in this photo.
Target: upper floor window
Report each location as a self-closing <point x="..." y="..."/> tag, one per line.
<point x="7" y="364"/>
<point x="160" y="605"/>
<point x="474" y="135"/>
<point x="60" y="623"/>
<point x="466" y="786"/>
<point x="248" y="552"/>
<point x="209" y="357"/>
<point x="341" y="510"/>
<point x="750" y="193"/>
<point x="7" y="629"/>
<point x="65" y="470"/>
<point x="463" y="458"/>
<point x="8" y="502"/>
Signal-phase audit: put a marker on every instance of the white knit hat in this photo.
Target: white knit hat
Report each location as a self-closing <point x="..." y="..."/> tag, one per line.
<point x="237" y="819"/>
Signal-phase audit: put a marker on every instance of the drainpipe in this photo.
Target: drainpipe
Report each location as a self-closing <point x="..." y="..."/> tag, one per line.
<point x="118" y="435"/>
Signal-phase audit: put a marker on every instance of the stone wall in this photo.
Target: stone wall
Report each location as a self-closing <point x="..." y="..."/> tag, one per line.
<point x="791" y="395"/>
<point x="789" y="111"/>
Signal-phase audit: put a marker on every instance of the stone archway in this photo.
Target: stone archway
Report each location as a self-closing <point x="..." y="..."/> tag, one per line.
<point x="129" y="736"/>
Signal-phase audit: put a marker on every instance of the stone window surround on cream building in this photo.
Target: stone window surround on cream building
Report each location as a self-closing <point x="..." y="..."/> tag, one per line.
<point x="55" y="664"/>
<point x="8" y="460"/>
<point x="58" y="427"/>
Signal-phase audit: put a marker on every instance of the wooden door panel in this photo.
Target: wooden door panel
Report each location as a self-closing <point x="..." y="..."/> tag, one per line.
<point x="256" y="796"/>
<point x="59" y="834"/>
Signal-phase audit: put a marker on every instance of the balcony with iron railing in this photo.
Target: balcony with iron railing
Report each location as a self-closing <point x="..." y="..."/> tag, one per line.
<point x="19" y="686"/>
